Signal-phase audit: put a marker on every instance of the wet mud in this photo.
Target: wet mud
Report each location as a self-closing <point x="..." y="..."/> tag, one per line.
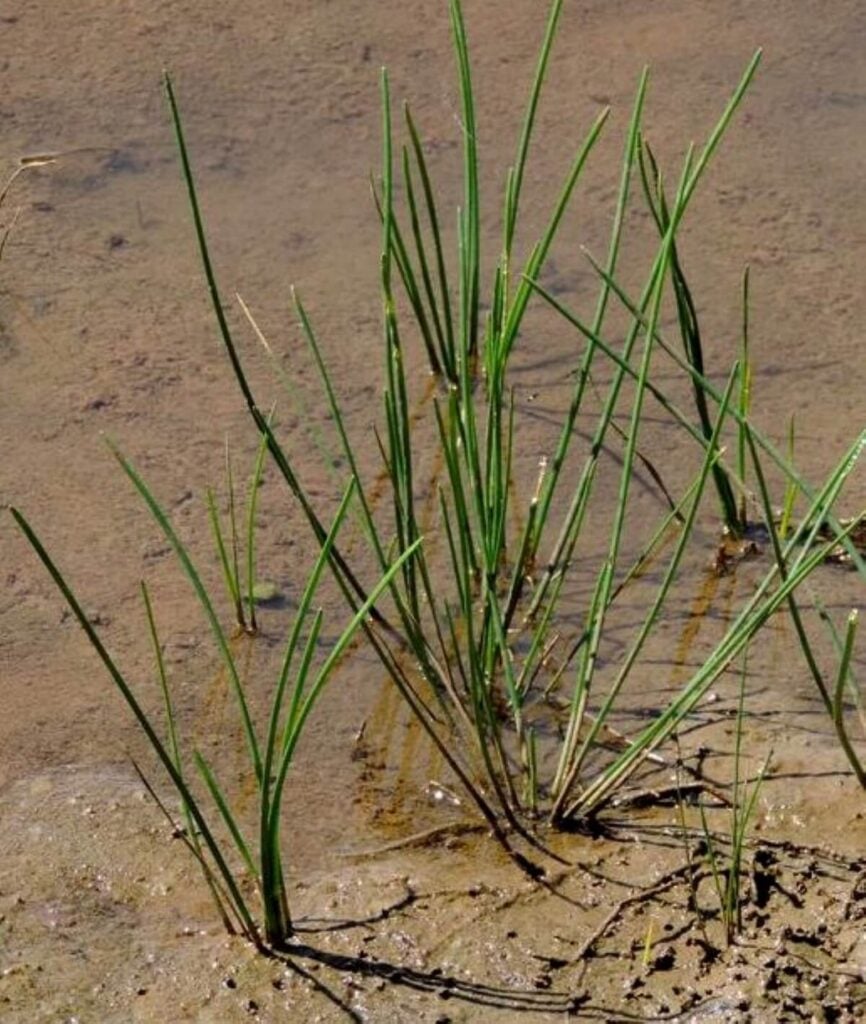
<point x="407" y="911"/>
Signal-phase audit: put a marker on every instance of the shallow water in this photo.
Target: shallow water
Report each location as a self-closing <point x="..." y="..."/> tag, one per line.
<point x="104" y="327"/>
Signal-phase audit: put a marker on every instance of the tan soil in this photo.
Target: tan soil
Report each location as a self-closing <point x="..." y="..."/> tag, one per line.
<point x="104" y="327"/>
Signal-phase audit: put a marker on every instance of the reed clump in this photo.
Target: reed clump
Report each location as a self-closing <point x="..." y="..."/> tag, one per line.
<point x="469" y="646"/>
<point x="227" y="855"/>
<point x="477" y="640"/>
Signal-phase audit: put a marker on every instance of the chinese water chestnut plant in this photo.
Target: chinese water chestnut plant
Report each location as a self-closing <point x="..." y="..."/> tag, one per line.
<point x="496" y="630"/>
<point x="506" y="678"/>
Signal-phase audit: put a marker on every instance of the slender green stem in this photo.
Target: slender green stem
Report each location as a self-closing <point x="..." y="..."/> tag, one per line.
<point x="165" y="757"/>
<point x="255" y="483"/>
<point x="204" y="599"/>
<point x="838" y="705"/>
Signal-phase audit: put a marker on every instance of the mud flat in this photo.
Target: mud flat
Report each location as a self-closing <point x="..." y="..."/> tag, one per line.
<point x="104" y="327"/>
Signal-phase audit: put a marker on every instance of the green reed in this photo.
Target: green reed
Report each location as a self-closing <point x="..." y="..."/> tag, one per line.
<point x="690" y="331"/>
<point x="727" y="873"/>
<point x="790" y="487"/>
<point x="744" y="403"/>
<point x="830" y="696"/>
<point x="478" y="636"/>
<point x="229" y="555"/>
<point x="299" y="683"/>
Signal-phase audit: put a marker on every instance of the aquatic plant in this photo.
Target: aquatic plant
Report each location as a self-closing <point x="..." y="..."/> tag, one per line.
<point x="478" y="641"/>
<point x="299" y="684"/>
<point x="690" y="332"/>
<point x="727" y="872"/>
<point x="506" y="677"/>
<point x="243" y="599"/>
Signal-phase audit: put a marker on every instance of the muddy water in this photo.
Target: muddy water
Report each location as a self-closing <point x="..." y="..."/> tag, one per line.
<point x="104" y="327"/>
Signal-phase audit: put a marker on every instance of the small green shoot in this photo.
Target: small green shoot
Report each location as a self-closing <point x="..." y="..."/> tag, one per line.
<point x="228" y="555"/>
<point x="744" y="403"/>
<point x="852" y="684"/>
<point x="839" y="694"/>
<point x="244" y="598"/>
<point x="728" y="873"/>
<point x="252" y="502"/>
<point x="791" y="488"/>
<point x="649" y="939"/>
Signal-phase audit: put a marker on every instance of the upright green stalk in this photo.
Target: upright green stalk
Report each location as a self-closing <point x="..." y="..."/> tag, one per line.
<point x="475" y="624"/>
<point x="690" y="331"/>
<point x="745" y="398"/>
<point x="255" y="483"/>
<point x="470" y="216"/>
<point x="790" y="486"/>
<point x="238" y="903"/>
<point x="728" y="881"/>
<point x="838" y="702"/>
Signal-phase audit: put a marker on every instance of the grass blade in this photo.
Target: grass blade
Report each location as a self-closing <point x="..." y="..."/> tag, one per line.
<point x="251" y="526"/>
<point x="238" y="902"/>
<point x="192" y="575"/>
